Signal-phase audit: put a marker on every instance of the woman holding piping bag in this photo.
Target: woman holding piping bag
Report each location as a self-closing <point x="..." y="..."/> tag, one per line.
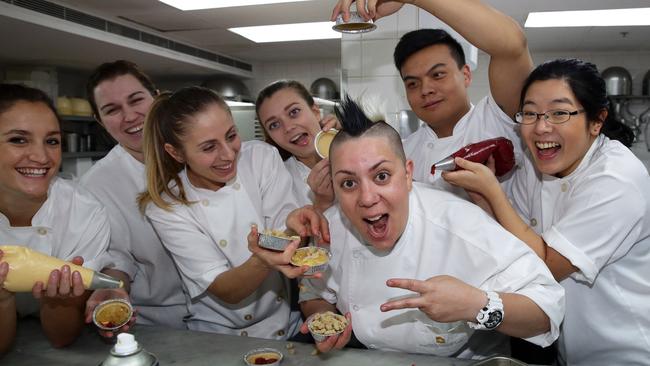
<point x="45" y="213"/>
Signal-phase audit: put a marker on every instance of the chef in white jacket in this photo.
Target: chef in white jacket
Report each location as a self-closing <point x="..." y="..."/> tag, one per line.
<point x="417" y="269"/>
<point x="582" y="203"/>
<point x="291" y="120"/>
<point x="121" y="95"/>
<point x="436" y="78"/>
<point x="45" y="213"/>
<point x="205" y="191"/>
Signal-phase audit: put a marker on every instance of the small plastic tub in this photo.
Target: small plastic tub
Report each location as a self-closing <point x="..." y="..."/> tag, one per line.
<point x="263" y="356"/>
<point x="275" y="240"/>
<point x="327" y="324"/>
<point x="322" y="142"/>
<point x="112" y="314"/>
<point x="317" y="258"/>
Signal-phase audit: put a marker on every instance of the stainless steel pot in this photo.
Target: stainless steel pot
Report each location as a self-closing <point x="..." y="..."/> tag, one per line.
<point x="618" y="81"/>
<point x="324" y="88"/>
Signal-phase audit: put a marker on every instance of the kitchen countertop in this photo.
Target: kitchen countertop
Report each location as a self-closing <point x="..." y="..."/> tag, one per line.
<point x="190" y="348"/>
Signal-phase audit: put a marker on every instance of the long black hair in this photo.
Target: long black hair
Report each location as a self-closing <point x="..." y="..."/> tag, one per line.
<point x="590" y="90"/>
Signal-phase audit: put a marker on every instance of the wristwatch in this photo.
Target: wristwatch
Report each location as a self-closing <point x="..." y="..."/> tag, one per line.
<point x="491" y="315"/>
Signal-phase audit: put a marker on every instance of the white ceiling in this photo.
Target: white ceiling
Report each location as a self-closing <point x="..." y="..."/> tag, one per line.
<point x="207" y="29"/>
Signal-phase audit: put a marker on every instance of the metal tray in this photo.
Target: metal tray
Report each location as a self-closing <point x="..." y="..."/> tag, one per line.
<point x="499" y="361"/>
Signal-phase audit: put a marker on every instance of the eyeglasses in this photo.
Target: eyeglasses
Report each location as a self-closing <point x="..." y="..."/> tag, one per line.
<point x="554" y="116"/>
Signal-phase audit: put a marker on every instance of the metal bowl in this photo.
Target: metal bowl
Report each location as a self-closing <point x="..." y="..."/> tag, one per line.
<point x="355" y="25"/>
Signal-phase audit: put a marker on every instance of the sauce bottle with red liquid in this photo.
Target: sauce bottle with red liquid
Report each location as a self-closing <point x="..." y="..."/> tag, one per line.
<point x="500" y="148"/>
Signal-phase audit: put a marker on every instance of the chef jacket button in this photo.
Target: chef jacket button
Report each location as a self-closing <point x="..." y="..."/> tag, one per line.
<point x="430" y="145"/>
<point x="280" y="332"/>
<point x="236" y="186"/>
<point x="205" y="202"/>
<point x="243" y="333"/>
<point x="564" y="187"/>
<point x="355" y="255"/>
<point x="372" y="346"/>
<point x="41" y="231"/>
<point x="355" y="307"/>
<point x="279" y="299"/>
<point x="248" y="317"/>
<point x="533" y="222"/>
<point x="223" y="243"/>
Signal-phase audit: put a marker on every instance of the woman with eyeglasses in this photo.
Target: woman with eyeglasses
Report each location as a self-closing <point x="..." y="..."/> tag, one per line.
<point x="582" y="203"/>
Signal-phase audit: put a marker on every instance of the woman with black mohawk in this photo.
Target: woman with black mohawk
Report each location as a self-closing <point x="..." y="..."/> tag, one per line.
<point x="392" y="238"/>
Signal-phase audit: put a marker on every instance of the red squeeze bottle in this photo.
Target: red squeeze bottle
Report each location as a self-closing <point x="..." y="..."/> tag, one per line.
<point x="501" y="148"/>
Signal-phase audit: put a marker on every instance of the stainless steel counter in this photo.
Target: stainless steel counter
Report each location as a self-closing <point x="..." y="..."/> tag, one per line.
<point x="189" y="348"/>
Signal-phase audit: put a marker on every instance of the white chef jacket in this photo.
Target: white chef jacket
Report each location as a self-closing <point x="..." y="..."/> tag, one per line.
<point x="70" y="223"/>
<point x="483" y="121"/>
<point x="299" y="174"/>
<point x="444" y="235"/>
<point x="209" y="237"/>
<point x="135" y="249"/>
<point x="598" y="217"/>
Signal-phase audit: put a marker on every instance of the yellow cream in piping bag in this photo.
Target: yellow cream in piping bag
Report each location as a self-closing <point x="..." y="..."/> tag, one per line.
<point x="27" y="266"/>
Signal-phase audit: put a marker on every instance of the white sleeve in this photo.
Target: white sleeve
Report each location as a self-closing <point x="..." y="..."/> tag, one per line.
<point x="600" y="223"/>
<point x="527" y="275"/>
<point x="521" y="191"/>
<point x="276" y="186"/>
<point x="91" y="232"/>
<point x="196" y="256"/>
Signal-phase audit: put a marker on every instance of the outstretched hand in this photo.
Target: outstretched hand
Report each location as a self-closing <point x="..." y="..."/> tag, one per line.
<point x="279" y="261"/>
<point x="443" y="299"/>
<point x="337" y="341"/>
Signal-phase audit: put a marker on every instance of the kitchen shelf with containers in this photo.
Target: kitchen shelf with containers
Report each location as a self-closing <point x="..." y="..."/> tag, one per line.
<point x="84" y="140"/>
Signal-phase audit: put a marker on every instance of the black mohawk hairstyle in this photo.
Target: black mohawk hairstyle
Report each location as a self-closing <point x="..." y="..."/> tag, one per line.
<point x="353" y="119"/>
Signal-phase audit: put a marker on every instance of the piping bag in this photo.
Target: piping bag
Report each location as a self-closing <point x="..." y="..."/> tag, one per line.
<point x="27" y="266"/>
<point x="500" y="148"/>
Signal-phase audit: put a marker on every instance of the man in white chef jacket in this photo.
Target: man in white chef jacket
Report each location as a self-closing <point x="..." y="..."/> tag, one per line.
<point x="120" y="95"/>
<point x="436" y="79"/>
<point x="417" y="269"/>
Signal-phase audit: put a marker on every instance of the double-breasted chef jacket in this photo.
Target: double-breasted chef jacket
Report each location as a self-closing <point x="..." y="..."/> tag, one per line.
<point x="598" y="217"/>
<point x="156" y="289"/>
<point x="483" y="121"/>
<point x="70" y="223"/>
<point x="209" y="237"/>
<point x="444" y="235"/>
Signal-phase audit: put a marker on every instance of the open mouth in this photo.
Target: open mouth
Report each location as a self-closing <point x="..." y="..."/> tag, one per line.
<point x="135" y="129"/>
<point x="377" y="226"/>
<point x="300" y="139"/>
<point x="33" y="172"/>
<point x="547" y="149"/>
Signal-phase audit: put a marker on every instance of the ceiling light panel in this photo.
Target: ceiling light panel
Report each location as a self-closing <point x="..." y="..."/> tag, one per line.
<point x="589" y="18"/>
<point x="288" y="32"/>
<point x="214" y="4"/>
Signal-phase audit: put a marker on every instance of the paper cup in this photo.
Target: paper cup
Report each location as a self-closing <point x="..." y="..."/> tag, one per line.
<point x="322" y="142"/>
<point x="112" y="314"/>
<point x="314" y="268"/>
<point x="321" y="336"/>
<point x="355" y="25"/>
<point x="265" y="353"/>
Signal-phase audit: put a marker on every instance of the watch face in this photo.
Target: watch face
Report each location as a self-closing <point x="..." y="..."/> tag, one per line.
<point x="494" y="320"/>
